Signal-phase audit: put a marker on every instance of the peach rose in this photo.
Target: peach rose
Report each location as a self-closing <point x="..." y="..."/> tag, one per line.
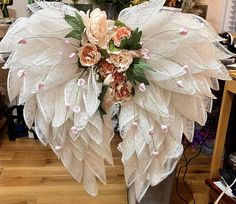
<point x="105" y="68"/>
<point x="122" y="60"/>
<point x="123" y="91"/>
<point x="89" y="55"/>
<point x="120" y="34"/>
<point x="97" y="27"/>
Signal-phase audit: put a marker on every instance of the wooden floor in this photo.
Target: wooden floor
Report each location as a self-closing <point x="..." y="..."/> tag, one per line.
<point x="198" y="171"/>
<point x="31" y="174"/>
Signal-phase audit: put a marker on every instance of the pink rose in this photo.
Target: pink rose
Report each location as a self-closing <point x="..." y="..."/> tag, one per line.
<point x="105" y="68"/>
<point x="118" y="77"/>
<point x="120" y="34"/>
<point x="89" y="55"/>
<point x="123" y="91"/>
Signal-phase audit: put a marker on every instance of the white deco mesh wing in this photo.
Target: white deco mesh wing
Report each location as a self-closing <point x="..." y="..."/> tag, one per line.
<point x="186" y="68"/>
<point x="45" y="79"/>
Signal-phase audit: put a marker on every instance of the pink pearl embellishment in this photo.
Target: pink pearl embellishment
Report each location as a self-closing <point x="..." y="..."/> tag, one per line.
<point x="144" y="53"/>
<point x="183" y="31"/>
<point x="151" y="132"/>
<point x="155" y="154"/>
<point x="76" y="109"/>
<point x="67" y="41"/>
<point x="72" y="55"/>
<point x="58" y="148"/>
<point x="164" y="128"/>
<point x="40" y="86"/>
<point x="81" y="82"/>
<point x="75" y="130"/>
<point x="142" y="87"/>
<point x="21" y="73"/>
<point x="22" y="41"/>
<point x="135" y="124"/>
<point x="180" y="84"/>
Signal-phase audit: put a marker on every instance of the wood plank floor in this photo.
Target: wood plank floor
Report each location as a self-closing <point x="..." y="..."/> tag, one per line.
<point x="31" y="174"/>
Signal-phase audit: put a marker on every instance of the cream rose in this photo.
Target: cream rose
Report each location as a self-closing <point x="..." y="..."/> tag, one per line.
<point x="89" y="55"/>
<point x="97" y="27"/>
<point x="122" y="60"/>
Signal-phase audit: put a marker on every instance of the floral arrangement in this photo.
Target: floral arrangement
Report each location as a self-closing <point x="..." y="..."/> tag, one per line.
<point x="113" y="50"/>
<point x="153" y="68"/>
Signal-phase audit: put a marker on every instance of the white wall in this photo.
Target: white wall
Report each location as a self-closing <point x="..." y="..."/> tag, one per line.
<point x="19" y="8"/>
<point x="215" y="13"/>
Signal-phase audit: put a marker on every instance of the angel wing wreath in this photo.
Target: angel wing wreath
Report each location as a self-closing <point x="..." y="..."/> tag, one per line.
<point x="73" y="70"/>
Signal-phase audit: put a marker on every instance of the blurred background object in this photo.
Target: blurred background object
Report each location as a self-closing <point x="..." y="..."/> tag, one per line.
<point x="3" y="6"/>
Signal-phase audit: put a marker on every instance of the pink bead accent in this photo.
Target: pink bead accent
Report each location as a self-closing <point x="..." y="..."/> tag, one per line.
<point x="151" y="132"/>
<point x="81" y="82"/>
<point x="72" y="55"/>
<point x="135" y="124"/>
<point x="75" y="130"/>
<point x="183" y="31"/>
<point x="22" y="41"/>
<point x="67" y="41"/>
<point x="164" y="128"/>
<point x="58" y="148"/>
<point x="40" y="86"/>
<point x="155" y="154"/>
<point x="146" y="57"/>
<point x="144" y="53"/>
<point x="142" y="87"/>
<point x="76" y="109"/>
<point x="21" y="73"/>
<point x="180" y="84"/>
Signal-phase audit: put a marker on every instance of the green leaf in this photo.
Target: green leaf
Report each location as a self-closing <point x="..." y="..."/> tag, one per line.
<point x="141" y="65"/>
<point x="77" y="24"/>
<point x="132" y="43"/>
<point x="113" y="48"/>
<point x="136" y="71"/>
<point x="124" y="44"/>
<point x="129" y="75"/>
<point x="80" y="20"/>
<point x="72" y="21"/>
<point x="104" y="53"/>
<point x="77" y="34"/>
<point x="119" y="24"/>
<point x="136" y="40"/>
<point x="140" y="77"/>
